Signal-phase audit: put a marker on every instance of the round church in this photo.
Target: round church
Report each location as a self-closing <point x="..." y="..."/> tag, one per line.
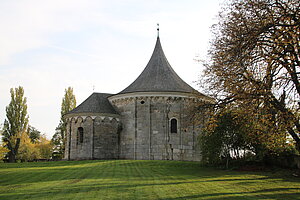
<point x="151" y="119"/>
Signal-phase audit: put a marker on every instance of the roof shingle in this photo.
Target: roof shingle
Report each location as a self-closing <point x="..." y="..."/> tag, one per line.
<point x="95" y="103"/>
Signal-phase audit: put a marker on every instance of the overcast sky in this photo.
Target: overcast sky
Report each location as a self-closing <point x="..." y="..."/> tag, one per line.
<point x="46" y="46"/>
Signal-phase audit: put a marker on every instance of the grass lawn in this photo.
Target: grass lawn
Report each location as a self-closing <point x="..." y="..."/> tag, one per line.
<point x="128" y="179"/>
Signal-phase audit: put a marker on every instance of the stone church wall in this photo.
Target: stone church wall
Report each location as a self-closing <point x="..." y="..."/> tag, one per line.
<point x="100" y="138"/>
<point x="146" y="129"/>
<point x="106" y="139"/>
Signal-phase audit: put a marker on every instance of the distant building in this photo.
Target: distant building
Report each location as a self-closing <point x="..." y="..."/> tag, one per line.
<point x="149" y="119"/>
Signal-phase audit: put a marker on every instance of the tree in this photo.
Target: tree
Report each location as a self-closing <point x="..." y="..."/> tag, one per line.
<point x="58" y="143"/>
<point x="225" y="137"/>
<point x="27" y="150"/>
<point x="34" y="134"/>
<point x="31" y="150"/>
<point x="255" y="61"/>
<point x="16" y="123"/>
<point x="45" y="147"/>
<point x="232" y="132"/>
<point x="68" y="104"/>
<point x="3" y="149"/>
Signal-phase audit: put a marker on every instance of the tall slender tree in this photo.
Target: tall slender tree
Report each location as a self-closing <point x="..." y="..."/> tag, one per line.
<point x="68" y="104"/>
<point x="16" y="122"/>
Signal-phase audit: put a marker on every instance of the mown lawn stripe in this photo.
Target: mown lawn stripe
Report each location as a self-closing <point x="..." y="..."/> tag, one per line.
<point x="140" y="179"/>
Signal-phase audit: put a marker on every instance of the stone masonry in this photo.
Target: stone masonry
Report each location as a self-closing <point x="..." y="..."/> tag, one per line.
<point x="148" y="120"/>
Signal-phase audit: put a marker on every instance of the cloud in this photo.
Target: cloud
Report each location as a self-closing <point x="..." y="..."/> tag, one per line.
<point x="29" y="24"/>
<point x="49" y="45"/>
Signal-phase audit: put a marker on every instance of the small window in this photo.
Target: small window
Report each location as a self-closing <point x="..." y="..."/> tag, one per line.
<point x="80" y="135"/>
<point x="173" y="125"/>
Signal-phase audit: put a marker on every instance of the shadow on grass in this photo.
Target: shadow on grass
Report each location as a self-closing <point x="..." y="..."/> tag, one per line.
<point x="121" y="169"/>
<point x="236" y="196"/>
<point x="46" y="164"/>
<point x="168" y="172"/>
<point x="124" y="191"/>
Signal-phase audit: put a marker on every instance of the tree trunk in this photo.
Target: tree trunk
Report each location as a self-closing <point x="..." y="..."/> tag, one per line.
<point x="288" y="117"/>
<point x="227" y="162"/>
<point x="298" y="146"/>
<point x="295" y="137"/>
<point x="11" y="157"/>
<point x="13" y="151"/>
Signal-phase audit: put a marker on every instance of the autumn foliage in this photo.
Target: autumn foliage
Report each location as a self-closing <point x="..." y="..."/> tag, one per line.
<point x="254" y="66"/>
<point x="19" y="140"/>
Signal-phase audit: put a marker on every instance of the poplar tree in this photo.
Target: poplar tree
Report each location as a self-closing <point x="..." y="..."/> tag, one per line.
<point x="16" y="122"/>
<point x="68" y="104"/>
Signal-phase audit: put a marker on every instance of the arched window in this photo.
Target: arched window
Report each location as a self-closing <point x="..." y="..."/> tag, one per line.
<point x="80" y="135"/>
<point x="173" y="125"/>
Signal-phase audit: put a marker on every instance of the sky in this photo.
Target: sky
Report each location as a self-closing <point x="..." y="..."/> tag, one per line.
<point x="94" y="46"/>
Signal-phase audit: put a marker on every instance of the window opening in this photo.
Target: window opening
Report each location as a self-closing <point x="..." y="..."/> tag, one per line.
<point x="173" y="125"/>
<point x="80" y="135"/>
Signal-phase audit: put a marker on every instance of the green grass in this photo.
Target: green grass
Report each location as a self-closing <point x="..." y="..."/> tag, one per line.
<point x="128" y="179"/>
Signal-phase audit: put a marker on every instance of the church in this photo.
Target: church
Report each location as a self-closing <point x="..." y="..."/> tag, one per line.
<point x="150" y="119"/>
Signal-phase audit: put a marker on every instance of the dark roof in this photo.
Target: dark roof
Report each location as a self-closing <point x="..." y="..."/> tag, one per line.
<point x="95" y="103"/>
<point x="158" y="76"/>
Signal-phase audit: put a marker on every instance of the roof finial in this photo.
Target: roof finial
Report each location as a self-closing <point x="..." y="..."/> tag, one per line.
<point x="157" y="29"/>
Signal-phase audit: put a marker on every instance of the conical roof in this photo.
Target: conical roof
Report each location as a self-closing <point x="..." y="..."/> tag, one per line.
<point x="158" y="76"/>
<point x="95" y="103"/>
